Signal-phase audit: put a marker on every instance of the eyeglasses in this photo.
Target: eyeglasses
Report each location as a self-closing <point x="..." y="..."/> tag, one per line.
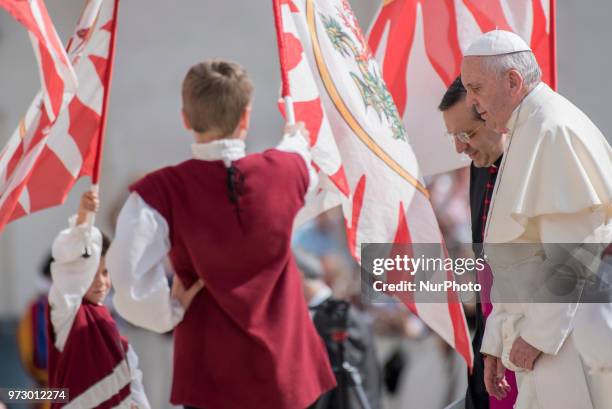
<point x="463" y="137"/>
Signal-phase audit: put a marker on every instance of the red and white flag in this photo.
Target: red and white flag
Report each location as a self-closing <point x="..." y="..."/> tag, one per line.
<point x="420" y="44"/>
<point x="57" y="76"/>
<point x="359" y="144"/>
<point x="45" y="156"/>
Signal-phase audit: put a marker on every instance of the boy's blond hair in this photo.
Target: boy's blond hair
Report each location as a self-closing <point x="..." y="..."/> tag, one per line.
<point x="215" y="95"/>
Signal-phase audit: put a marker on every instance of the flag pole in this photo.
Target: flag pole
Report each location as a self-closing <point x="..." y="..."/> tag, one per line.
<point x="95" y="178"/>
<point x="282" y="57"/>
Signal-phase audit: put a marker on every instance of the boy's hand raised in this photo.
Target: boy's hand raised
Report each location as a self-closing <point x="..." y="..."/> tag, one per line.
<point x="183" y="295"/>
<point x="90" y="203"/>
<point x="297" y="127"/>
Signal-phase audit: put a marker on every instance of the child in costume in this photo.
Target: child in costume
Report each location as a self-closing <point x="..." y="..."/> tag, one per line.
<point x="87" y="355"/>
<point x="225" y="221"/>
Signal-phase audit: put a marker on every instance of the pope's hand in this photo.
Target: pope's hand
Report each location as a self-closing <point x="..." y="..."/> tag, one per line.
<point x="523" y="354"/>
<point x="494" y="377"/>
<point x="183" y="295"/>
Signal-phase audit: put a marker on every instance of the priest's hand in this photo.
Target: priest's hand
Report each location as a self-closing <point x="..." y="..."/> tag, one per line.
<point x="495" y="378"/>
<point x="523" y="354"/>
<point x="183" y="295"/>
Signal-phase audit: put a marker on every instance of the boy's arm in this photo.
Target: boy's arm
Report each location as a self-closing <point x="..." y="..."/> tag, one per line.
<point x="137" y="392"/>
<point x="296" y="139"/>
<point x="71" y="275"/>
<point x="135" y="262"/>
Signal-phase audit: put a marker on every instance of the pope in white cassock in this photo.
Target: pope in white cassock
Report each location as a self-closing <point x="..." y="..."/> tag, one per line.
<point x="554" y="186"/>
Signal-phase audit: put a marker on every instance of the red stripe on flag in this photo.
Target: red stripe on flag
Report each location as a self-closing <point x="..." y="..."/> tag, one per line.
<point x="400" y="17"/>
<point x="14" y="161"/>
<point x="402" y="245"/>
<point x="54" y="40"/>
<point x="339" y="179"/>
<point x="489" y="14"/>
<point x="462" y="339"/>
<point x="11" y="209"/>
<point x="84" y="126"/>
<point x="54" y="83"/>
<point x="41" y="132"/>
<point x="455" y="309"/>
<point x="402" y="233"/>
<point x="101" y="66"/>
<point x="351" y="232"/>
<point x="442" y="44"/>
<point x="541" y="43"/>
<point x="48" y="191"/>
<point x="309" y="112"/>
<point x="18" y="212"/>
<point x="108" y="26"/>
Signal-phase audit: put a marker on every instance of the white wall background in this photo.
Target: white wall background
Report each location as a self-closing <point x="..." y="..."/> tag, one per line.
<point x="158" y="41"/>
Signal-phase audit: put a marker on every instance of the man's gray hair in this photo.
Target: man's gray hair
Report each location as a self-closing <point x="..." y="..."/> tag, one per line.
<point x="523" y="61"/>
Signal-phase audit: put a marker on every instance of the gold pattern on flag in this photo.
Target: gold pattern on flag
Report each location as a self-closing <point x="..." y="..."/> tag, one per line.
<point x="348" y="117"/>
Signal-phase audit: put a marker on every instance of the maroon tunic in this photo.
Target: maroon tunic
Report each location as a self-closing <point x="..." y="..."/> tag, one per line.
<point x="247" y="340"/>
<point x="94" y="349"/>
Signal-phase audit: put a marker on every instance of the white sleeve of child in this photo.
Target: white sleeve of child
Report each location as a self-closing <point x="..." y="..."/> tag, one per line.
<point x="299" y="144"/>
<point x="135" y="262"/>
<point x="72" y="275"/>
<point x="137" y="392"/>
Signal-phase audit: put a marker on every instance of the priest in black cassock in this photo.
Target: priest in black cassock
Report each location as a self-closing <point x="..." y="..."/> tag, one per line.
<point x="485" y="148"/>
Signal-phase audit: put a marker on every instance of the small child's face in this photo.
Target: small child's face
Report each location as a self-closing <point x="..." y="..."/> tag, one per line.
<point x="100" y="286"/>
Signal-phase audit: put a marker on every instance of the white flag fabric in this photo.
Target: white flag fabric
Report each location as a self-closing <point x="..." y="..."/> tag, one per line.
<point x="56" y="73"/>
<point x="46" y="154"/>
<point x="360" y="146"/>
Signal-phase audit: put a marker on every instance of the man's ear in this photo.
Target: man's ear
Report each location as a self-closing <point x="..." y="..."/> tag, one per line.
<point x="515" y="81"/>
<point x="186" y="122"/>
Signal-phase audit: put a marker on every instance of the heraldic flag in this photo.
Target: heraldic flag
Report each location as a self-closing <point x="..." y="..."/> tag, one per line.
<point x="419" y="45"/>
<point x="54" y="145"/>
<point x="359" y="144"/>
<point x="56" y="73"/>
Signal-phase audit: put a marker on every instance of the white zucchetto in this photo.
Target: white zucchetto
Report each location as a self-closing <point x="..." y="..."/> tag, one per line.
<point x="496" y="42"/>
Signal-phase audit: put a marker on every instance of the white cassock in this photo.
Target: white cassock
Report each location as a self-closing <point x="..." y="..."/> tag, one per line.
<point x="554" y="186"/>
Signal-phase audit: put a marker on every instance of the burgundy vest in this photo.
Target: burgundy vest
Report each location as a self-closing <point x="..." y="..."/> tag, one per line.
<point x="92" y="351"/>
<point x="247" y="340"/>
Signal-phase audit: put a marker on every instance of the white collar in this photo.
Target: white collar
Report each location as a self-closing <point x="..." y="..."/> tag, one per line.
<point x="514" y="117"/>
<point x="320" y="296"/>
<point x="227" y="150"/>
